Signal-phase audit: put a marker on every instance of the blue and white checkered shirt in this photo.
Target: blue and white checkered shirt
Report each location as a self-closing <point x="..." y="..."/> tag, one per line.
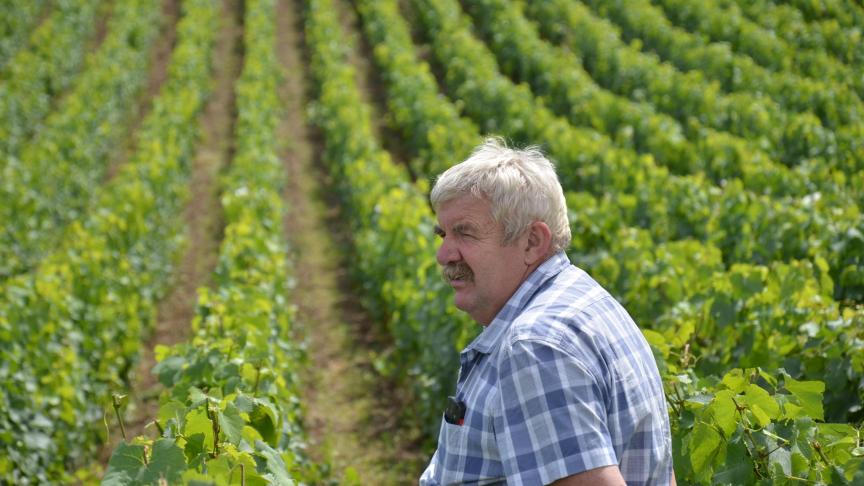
<point x="561" y="382"/>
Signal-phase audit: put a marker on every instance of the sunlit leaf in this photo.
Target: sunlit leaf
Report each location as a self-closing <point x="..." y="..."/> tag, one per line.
<point x="809" y="395"/>
<point x="762" y="404"/>
<point x="724" y="412"/>
<point x="705" y="444"/>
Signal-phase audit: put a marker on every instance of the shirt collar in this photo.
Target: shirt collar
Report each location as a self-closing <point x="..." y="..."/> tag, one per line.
<point x="491" y="335"/>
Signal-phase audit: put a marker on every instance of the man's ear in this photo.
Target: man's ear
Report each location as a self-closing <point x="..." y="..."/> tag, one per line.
<point x="538" y="243"/>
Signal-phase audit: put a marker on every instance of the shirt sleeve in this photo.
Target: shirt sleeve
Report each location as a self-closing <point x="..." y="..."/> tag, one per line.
<point x="553" y="418"/>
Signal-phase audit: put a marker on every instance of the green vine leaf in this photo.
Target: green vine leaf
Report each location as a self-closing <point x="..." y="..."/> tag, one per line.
<point x="705" y="444"/>
<point x="197" y="422"/>
<point x="809" y="395"/>
<point x="722" y="410"/>
<point x="762" y="404"/>
<point x="166" y="462"/>
<point x="231" y="423"/>
<point x="735" y="380"/>
<point x="737" y="468"/>
<point x="125" y="465"/>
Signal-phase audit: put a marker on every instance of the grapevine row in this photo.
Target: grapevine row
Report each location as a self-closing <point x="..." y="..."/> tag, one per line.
<point x="230" y="411"/>
<point x="745" y="226"/>
<point x="835" y="105"/>
<point x="429" y="123"/>
<point x="17" y="20"/>
<point x="71" y="330"/>
<point x="555" y="75"/>
<point x="846" y="12"/>
<point x="37" y="76"/>
<point x="624" y="69"/>
<point x="789" y="23"/>
<point x="52" y="182"/>
<point x="727" y="24"/>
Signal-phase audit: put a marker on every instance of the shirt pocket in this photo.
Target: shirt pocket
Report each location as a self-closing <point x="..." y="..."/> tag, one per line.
<point x="455" y="438"/>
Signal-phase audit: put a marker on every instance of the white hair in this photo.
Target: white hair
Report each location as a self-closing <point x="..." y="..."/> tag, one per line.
<point x="520" y="185"/>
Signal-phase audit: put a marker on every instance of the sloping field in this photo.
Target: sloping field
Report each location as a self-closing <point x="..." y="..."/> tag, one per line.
<point x="217" y="260"/>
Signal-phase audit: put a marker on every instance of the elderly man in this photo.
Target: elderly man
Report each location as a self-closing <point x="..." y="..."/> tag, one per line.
<point x="560" y="387"/>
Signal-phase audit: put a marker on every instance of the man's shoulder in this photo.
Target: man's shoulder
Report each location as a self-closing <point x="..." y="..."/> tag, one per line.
<point x="575" y="314"/>
<point x="561" y="310"/>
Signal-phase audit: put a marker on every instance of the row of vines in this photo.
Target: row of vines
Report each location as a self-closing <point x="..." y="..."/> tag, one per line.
<point x="229" y="413"/>
<point x="71" y="324"/>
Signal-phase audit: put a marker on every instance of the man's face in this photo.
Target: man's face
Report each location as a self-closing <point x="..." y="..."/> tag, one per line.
<point x="483" y="272"/>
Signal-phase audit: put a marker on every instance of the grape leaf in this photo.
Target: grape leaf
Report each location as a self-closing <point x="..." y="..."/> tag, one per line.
<point x="276" y="470"/>
<point x="705" y="444"/>
<point x="737" y="468"/>
<point x="809" y="395"/>
<point x="231" y="423"/>
<point x="762" y="404"/>
<point x="168" y="370"/>
<point x="722" y="409"/>
<point x="735" y="380"/>
<point x="125" y="464"/>
<point x="197" y="422"/>
<point x="166" y="462"/>
<point x="781" y="460"/>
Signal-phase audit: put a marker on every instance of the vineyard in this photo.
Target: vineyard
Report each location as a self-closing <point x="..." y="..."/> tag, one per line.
<point x="167" y="283"/>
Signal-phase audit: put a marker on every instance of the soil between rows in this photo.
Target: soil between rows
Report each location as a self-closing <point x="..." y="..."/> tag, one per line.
<point x="352" y="413"/>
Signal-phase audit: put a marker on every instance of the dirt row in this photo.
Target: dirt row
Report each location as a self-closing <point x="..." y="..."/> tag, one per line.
<point x="352" y="413"/>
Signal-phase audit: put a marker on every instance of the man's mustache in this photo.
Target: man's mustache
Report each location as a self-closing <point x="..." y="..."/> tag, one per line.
<point x="457" y="271"/>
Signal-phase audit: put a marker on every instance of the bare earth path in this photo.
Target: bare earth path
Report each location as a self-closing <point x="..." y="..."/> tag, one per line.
<point x="352" y="414"/>
<point x="203" y="216"/>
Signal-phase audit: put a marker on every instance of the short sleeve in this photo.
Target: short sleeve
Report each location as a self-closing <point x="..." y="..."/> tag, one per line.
<point x="553" y="418"/>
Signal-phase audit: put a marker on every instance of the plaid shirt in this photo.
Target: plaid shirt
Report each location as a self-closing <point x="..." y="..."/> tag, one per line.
<point x="561" y="382"/>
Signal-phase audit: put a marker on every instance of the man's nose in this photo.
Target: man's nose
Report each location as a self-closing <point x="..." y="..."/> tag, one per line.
<point x="447" y="252"/>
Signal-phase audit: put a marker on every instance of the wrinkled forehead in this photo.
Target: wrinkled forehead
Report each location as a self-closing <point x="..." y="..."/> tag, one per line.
<point x="466" y="211"/>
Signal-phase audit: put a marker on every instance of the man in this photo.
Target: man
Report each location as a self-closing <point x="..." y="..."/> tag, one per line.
<point x="560" y="387"/>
